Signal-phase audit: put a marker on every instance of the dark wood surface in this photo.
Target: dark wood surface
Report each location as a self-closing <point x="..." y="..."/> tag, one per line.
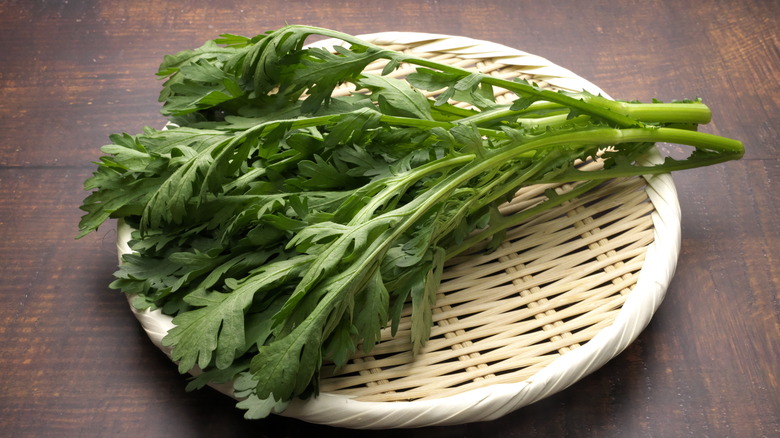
<point x="74" y="362"/>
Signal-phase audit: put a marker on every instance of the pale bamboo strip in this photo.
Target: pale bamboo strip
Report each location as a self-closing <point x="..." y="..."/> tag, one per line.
<point x="495" y="335"/>
<point x="541" y="227"/>
<point x="482" y="298"/>
<point x="547" y="248"/>
<point x="420" y="373"/>
<point x="559" y="287"/>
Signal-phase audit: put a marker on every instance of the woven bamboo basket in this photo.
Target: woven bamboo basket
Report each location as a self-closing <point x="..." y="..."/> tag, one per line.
<point x="566" y="292"/>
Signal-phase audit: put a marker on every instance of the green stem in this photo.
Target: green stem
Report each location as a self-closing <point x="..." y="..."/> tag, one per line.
<point x="492" y="194"/>
<point x="612" y="136"/>
<point x="619" y="114"/>
<point x="515" y="219"/>
<point x="659" y="112"/>
<point x="497" y="114"/>
<point x="428" y="124"/>
<point x="402" y="182"/>
<point x="579" y="102"/>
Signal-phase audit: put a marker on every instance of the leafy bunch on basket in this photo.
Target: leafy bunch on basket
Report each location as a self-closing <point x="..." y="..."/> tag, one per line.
<point x="283" y="225"/>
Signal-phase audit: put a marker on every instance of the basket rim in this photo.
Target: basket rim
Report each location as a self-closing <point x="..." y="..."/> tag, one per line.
<point x="493" y="401"/>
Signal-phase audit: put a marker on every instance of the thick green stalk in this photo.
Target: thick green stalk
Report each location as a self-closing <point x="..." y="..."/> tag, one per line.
<point x="612" y="136"/>
<point x="428" y="124"/>
<point x="659" y="112"/>
<point x="728" y="149"/>
<point x="620" y="114"/>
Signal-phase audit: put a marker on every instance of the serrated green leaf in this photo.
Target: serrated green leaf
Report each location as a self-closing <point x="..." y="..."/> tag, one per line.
<point x="215" y="328"/>
<point x="209" y="50"/>
<point x="424" y="298"/>
<point x="432" y="80"/>
<point x="288" y="365"/>
<point x="373" y="305"/>
<point x="397" y="97"/>
<point x="256" y="408"/>
<point x="322" y="175"/>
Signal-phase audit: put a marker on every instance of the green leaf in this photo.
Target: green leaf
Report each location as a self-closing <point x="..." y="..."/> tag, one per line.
<point x="216" y="326"/>
<point x="169" y="202"/>
<point x="256" y="408"/>
<point x="320" y="71"/>
<point x="397" y="97"/>
<point x="372" y="305"/>
<point x="340" y="345"/>
<point x="469" y="82"/>
<point x="352" y="127"/>
<point x="424" y="298"/>
<point x="469" y="138"/>
<point x="114" y="195"/>
<point x="287" y="366"/>
<point x="216" y="375"/>
<point x="432" y="80"/>
<point x="209" y="51"/>
<point x="321" y="175"/>
<point x="350" y="242"/>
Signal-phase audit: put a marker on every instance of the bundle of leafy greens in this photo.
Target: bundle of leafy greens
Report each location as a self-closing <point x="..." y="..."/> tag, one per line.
<point x="282" y="226"/>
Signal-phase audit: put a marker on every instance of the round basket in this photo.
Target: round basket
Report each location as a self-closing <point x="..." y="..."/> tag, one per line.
<point x="566" y="292"/>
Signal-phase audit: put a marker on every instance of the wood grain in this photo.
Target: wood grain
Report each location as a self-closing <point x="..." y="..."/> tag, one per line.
<point x="75" y="363"/>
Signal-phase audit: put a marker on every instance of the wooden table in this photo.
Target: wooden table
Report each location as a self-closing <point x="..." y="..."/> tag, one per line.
<point x="74" y="362"/>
